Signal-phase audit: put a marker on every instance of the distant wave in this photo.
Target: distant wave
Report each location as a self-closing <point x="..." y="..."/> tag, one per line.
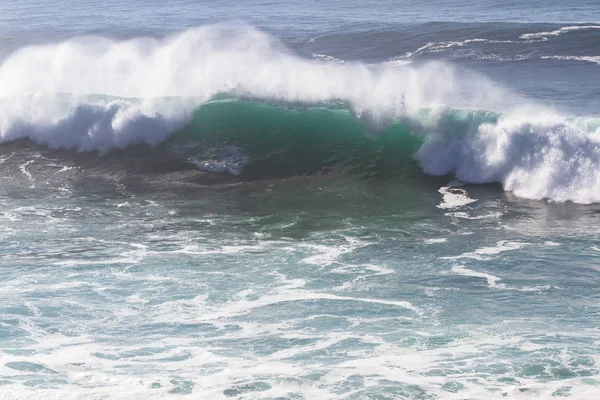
<point x="557" y="32"/>
<point x="439" y="46"/>
<point x="592" y="59"/>
<point x="493" y="49"/>
<point x="95" y="94"/>
<point x="325" y="57"/>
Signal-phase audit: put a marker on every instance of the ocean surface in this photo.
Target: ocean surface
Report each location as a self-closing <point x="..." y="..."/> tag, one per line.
<point x="300" y="199"/>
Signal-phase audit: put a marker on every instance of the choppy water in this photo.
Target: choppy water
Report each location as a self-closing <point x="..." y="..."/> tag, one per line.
<point x="300" y="200"/>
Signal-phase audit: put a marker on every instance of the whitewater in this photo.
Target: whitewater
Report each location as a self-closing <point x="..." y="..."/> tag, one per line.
<point x="92" y="93"/>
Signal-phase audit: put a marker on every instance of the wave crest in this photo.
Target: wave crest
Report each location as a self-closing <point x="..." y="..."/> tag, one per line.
<point x="540" y="157"/>
<point x="146" y="89"/>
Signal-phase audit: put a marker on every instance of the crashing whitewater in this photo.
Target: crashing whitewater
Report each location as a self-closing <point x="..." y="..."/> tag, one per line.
<point x="96" y="94"/>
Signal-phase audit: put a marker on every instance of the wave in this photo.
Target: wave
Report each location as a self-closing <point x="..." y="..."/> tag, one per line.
<point x="557" y="32"/>
<point x="235" y="100"/>
<point x="592" y="59"/>
<point x="441" y="46"/>
<point x="528" y="46"/>
<point x="326" y="57"/>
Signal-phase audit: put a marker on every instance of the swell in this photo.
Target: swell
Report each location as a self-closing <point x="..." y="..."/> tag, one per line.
<point x="235" y="101"/>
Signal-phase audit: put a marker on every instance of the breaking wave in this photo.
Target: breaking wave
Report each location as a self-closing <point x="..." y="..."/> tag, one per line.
<point x="557" y="32"/>
<point x="238" y="102"/>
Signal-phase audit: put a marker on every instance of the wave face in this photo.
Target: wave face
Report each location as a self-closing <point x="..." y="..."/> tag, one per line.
<point x="252" y="107"/>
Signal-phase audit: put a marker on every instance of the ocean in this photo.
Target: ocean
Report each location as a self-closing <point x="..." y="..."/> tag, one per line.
<point x="300" y="199"/>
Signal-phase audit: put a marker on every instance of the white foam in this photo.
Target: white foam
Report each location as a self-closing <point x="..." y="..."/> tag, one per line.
<point x="378" y="269"/>
<point x="199" y="309"/>
<point x="592" y="59"/>
<point x="25" y="171"/>
<point x="441" y="46"/>
<point x="4" y="159"/>
<point x="398" y="62"/>
<point x="534" y="157"/>
<point x="365" y="271"/>
<point x="328" y="58"/>
<point x="484" y="252"/>
<point x="328" y="255"/>
<point x="492" y="280"/>
<point x="464" y="215"/>
<point x="226" y="249"/>
<point x="128" y="257"/>
<point x="64" y="169"/>
<point x="436" y="240"/>
<point x="453" y="196"/>
<point x="557" y="32"/>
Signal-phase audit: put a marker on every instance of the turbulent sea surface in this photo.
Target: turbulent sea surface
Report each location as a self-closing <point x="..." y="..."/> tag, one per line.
<point x="300" y="200"/>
